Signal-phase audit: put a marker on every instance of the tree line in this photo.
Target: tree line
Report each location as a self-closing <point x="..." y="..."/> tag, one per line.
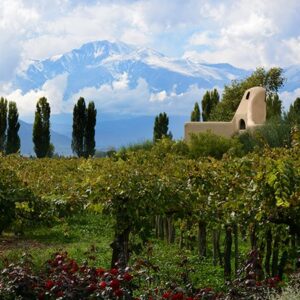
<point x="9" y="127"/>
<point x="213" y="108"/>
<point x="272" y="80"/>
<point x="83" y="135"/>
<point x="84" y="117"/>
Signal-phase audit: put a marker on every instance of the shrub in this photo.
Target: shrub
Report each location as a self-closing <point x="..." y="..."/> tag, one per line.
<point x="12" y="195"/>
<point x="64" y="279"/>
<point x="274" y="133"/>
<point x="209" y="144"/>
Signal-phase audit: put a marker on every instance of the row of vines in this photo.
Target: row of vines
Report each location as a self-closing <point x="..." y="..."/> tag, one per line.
<point x="162" y="192"/>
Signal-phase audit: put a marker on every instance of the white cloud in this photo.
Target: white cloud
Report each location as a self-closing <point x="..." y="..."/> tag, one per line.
<point x="204" y="38"/>
<point x="293" y="49"/>
<point x="16" y="24"/>
<point x="52" y="89"/>
<point x="139" y="100"/>
<point x="121" y="83"/>
<point x="160" y="96"/>
<point x="289" y="97"/>
<point x="244" y="33"/>
<point x="250" y="34"/>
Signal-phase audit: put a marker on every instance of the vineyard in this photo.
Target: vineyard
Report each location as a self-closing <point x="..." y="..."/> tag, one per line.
<point x="219" y="209"/>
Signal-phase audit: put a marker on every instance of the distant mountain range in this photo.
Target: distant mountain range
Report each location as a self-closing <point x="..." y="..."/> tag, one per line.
<point x="109" y="133"/>
<point x="61" y="142"/>
<point x="103" y="62"/>
<point x="122" y="67"/>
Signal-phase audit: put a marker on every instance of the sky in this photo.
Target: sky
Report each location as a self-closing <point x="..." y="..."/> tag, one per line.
<point x="244" y="33"/>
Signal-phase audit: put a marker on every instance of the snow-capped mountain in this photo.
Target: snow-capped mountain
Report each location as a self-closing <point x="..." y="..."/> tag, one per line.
<point x="103" y="62"/>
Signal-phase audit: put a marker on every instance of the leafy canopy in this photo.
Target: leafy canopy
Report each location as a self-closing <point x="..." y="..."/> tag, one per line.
<point x="272" y="80"/>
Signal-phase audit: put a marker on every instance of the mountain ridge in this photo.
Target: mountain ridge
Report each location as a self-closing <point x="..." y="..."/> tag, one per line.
<point x="102" y="62"/>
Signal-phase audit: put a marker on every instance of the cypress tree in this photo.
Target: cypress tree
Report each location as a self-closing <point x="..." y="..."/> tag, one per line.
<point x="293" y="114"/>
<point x="3" y="123"/>
<point x="41" y="129"/>
<point x="13" y="139"/>
<point x="215" y="98"/>
<point x="274" y="107"/>
<point x="206" y="106"/>
<point x="79" y="123"/>
<point x="209" y="101"/>
<point x="89" y="138"/>
<point x="195" y="115"/>
<point x="161" y="127"/>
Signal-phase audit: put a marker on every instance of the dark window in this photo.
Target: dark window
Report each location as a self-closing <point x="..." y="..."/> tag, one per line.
<point x="242" y="124"/>
<point x="248" y="95"/>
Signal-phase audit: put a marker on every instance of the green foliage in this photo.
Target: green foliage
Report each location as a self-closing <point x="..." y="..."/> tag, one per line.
<point x="272" y="80"/>
<point x="261" y="188"/>
<point x="41" y="129"/>
<point x="7" y="201"/>
<point x="89" y="136"/>
<point x="3" y="123"/>
<point x="13" y="195"/>
<point x="195" y="115"/>
<point x="147" y="145"/>
<point x="274" y="107"/>
<point x="209" y="102"/>
<point x="275" y="133"/>
<point x="293" y="115"/>
<point x="144" y="146"/>
<point x="13" y="139"/>
<point x="161" y="127"/>
<point x="209" y="144"/>
<point x="84" y="122"/>
<point x="79" y="121"/>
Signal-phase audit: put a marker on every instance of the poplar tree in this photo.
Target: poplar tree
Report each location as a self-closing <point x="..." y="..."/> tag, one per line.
<point x="206" y="108"/>
<point x="209" y="101"/>
<point x="272" y="80"/>
<point x="293" y="115"/>
<point x="161" y="127"/>
<point x="195" y="115"/>
<point x="79" y="122"/>
<point x="274" y="107"/>
<point x="89" y="137"/>
<point x="13" y="139"/>
<point x="3" y="123"/>
<point x="215" y="98"/>
<point x="41" y="129"/>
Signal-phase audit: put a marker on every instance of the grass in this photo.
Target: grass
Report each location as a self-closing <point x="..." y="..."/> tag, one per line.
<point x="88" y="237"/>
<point x="81" y="236"/>
<point x="180" y="265"/>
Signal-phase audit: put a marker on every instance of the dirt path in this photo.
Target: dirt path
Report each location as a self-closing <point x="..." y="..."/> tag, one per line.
<point x="17" y="243"/>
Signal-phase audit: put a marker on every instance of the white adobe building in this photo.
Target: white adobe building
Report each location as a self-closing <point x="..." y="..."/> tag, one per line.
<point x="250" y="114"/>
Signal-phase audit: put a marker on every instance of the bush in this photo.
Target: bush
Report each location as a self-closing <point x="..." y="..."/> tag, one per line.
<point x="63" y="278"/>
<point x="11" y="192"/>
<point x="209" y="144"/>
<point x="274" y="133"/>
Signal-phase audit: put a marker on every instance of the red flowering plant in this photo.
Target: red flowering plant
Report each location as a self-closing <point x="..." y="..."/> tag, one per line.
<point x="62" y="279"/>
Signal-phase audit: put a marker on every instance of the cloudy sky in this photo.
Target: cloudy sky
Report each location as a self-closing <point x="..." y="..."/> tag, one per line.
<point x="244" y="33"/>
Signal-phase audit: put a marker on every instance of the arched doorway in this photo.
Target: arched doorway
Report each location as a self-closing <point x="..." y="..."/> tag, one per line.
<point x="242" y="125"/>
